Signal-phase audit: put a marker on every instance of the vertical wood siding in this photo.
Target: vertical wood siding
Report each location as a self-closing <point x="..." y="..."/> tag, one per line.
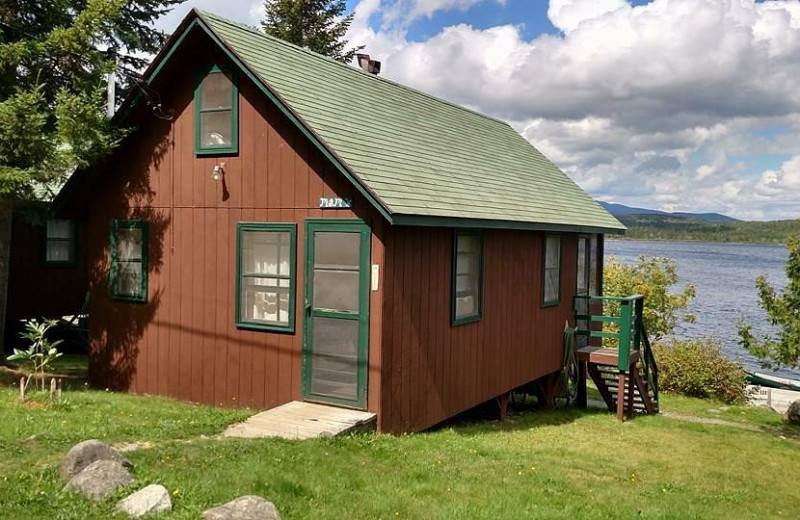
<point x="36" y="290"/>
<point x="183" y="342"/>
<point x="431" y="370"/>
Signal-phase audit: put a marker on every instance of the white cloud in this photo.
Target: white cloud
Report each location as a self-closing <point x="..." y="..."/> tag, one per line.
<point x="567" y="15"/>
<point x="654" y="104"/>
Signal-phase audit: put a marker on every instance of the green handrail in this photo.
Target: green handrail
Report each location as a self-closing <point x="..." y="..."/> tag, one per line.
<point x="631" y="334"/>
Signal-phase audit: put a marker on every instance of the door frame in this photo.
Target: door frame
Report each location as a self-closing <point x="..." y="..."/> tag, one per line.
<point x="340" y="225"/>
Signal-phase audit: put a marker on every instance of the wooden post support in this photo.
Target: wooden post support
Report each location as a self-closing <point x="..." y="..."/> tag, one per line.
<point x="52" y="390"/>
<point x="621" y="395"/>
<point x="630" y="390"/>
<point x="58" y="390"/>
<point x="502" y="405"/>
<point x="21" y="389"/>
<point x="581" y="399"/>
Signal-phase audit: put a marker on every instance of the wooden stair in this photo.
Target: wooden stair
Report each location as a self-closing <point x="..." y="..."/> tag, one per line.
<point x="624" y="391"/>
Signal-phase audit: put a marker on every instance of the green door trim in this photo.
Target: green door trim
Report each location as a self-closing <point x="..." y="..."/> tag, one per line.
<point x="341" y="225"/>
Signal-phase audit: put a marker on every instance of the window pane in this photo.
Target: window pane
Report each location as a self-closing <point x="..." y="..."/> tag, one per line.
<point x="551" y="257"/>
<point x="467" y="276"/>
<point x="129" y="244"/>
<point x="466" y="306"/>
<point x="58" y="251"/>
<point x="334" y="361"/>
<point x="337" y="249"/>
<point x="265" y="252"/>
<point x="59" y="229"/>
<point x="336" y="290"/>
<point x="583" y="278"/>
<point x="215" y="129"/>
<point x="551" y="288"/>
<point x="265" y="300"/>
<point x="593" y="261"/>
<point x="467" y="244"/>
<point x="216" y="91"/>
<point x="128" y="279"/>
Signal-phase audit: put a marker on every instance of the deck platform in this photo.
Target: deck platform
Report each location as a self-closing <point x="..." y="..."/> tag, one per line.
<point x="603" y="356"/>
<point x="300" y="420"/>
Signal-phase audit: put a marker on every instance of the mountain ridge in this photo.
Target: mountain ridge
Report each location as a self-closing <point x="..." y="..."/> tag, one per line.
<point x="621" y="210"/>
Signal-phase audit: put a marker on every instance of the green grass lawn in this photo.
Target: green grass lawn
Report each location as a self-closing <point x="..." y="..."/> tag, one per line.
<point x="568" y="463"/>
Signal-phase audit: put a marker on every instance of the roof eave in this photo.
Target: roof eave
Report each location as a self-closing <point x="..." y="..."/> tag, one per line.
<point x="472" y="223"/>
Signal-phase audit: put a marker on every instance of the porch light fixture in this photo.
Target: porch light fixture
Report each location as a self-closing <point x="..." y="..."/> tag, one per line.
<point x="216" y="173"/>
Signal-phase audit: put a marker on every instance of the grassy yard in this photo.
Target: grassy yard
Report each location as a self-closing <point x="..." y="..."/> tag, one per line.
<point x="537" y="465"/>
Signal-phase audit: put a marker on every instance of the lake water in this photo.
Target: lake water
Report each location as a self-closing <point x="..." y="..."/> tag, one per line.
<point x="724" y="275"/>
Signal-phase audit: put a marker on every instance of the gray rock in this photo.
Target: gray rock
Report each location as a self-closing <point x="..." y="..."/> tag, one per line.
<point x="792" y="415"/>
<point x="83" y="454"/>
<point x="248" y="507"/>
<point x="148" y="500"/>
<point x="100" y="479"/>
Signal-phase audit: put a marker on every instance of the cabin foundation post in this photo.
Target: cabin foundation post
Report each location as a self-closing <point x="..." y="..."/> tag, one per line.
<point x="580" y="398"/>
<point x="621" y="396"/>
<point x="502" y="406"/>
<point x="630" y="389"/>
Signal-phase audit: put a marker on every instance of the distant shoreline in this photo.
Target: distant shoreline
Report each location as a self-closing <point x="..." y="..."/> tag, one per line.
<point x="623" y="238"/>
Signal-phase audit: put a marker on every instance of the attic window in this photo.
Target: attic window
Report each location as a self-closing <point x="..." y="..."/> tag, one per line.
<point x="216" y="118"/>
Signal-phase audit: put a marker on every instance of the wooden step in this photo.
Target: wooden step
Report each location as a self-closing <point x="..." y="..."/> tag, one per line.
<point x="637" y="396"/>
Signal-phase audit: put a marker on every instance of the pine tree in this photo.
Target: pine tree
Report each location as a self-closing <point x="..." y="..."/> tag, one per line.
<point x="54" y="56"/>
<point x="783" y="311"/>
<point x="318" y="25"/>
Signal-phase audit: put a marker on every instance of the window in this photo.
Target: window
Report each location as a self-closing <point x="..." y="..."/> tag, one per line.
<point x="216" y="102"/>
<point x="265" y="273"/>
<point x="594" y="263"/>
<point x="60" y="242"/>
<point x="552" y="270"/>
<point x="583" y="269"/>
<point x="129" y="260"/>
<point x="467" y="278"/>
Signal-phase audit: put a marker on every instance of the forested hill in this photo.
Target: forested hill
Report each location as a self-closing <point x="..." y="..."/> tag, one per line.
<point x="672" y="227"/>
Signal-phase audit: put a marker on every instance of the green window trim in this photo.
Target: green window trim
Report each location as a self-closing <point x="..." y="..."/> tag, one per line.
<point x="73" y="246"/>
<point x="250" y="324"/>
<point x="117" y="225"/>
<point x="557" y="300"/>
<point x="233" y="148"/>
<point x="478" y="314"/>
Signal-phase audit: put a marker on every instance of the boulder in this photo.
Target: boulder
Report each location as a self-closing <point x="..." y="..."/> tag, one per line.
<point x="100" y="479"/>
<point x="792" y="415"/>
<point x="248" y="507"/>
<point x="83" y="454"/>
<point x="148" y="500"/>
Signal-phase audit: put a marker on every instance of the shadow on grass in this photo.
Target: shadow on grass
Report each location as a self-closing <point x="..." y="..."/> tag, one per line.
<point x="524" y="416"/>
<point x="72" y="369"/>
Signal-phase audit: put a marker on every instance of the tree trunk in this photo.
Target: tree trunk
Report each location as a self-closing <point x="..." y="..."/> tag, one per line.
<point x="6" y="215"/>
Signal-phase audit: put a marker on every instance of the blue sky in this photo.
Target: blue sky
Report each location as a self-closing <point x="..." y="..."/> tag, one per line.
<point x="683" y="105"/>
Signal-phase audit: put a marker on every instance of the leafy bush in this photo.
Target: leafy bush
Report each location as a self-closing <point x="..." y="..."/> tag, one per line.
<point x="654" y="279"/>
<point x="783" y="311"/>
<point x="698" y="368"/>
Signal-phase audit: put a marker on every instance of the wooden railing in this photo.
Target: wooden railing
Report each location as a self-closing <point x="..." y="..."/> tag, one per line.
<point x="625" y="328"/>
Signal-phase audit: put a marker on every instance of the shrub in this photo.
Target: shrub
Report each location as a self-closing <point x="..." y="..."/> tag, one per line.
<point x="654" y="278"/>
<point x="698" y="368"/>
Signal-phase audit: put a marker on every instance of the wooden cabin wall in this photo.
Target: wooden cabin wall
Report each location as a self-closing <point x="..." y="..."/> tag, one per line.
<point x="431" y="370"/>
<point x="36" y="290"/>
<point x="183" y="342"/>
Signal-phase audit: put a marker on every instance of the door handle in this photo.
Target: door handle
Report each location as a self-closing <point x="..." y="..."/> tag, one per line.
<point x="308" y="307"/>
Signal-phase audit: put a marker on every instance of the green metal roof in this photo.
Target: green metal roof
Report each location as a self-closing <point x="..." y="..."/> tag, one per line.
<point x="419" y="156"/>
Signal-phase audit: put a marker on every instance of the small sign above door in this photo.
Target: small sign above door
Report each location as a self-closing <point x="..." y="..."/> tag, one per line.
<point x="335" y="203"/>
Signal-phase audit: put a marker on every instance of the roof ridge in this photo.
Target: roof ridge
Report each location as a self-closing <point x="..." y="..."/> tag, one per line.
<point x="373" y="77"/>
